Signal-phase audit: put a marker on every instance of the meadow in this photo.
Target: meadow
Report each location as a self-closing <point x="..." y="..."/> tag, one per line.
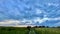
<point x="23" y="30"/>
<point x="13" y="30"/>
<point x="47" y="30"/>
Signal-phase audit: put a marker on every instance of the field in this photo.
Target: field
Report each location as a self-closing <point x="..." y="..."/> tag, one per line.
<point x="19" y="30"/>
<point x="47" y="30"/>
<point x="13" y="30"/>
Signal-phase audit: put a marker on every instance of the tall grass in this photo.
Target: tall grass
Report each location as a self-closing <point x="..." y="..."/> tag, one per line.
<point x="47" y="30"/>
<point x="13" y="30"/>
<point x="20" y="30"/>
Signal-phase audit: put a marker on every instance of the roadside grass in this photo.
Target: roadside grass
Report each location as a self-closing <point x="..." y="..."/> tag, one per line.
<point x="23" y="30"/>
<point x="13" y="30"/>
<point x="47" y="30"/>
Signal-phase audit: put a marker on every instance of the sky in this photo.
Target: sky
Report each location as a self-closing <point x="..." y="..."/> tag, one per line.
<point x="30" y="12"/>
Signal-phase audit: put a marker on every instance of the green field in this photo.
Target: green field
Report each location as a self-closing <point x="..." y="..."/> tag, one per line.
<point x="47" y="30"/>
<point x="19" y="30"/>
<point x="13" y="30"/>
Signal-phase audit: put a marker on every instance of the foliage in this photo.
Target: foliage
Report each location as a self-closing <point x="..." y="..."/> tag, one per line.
<point x="13" y="30"/>
<point x="47" y="30"/>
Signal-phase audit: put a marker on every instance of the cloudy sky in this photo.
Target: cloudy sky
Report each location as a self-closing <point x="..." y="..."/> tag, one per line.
<point x="29" y="12"/>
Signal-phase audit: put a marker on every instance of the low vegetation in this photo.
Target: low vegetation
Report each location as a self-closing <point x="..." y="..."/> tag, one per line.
<point x="13" y="30"/>
<point x="47" y="30"/>
<point x="34" y="30"/>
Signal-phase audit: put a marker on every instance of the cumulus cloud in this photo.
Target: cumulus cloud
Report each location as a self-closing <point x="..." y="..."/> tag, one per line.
<point x="45" y="19"/>
<point x="30" y="11"/>
<point x="38" y="11"/>
<point x="26" y="21"/>
<point x="57" y="18"/>
<point x="17" y="23"/>
<point x="9" y="22"/>
<point x="53" y="4"/>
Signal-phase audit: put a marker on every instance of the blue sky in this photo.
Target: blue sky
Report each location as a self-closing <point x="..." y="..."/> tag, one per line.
<point x="45" y="12"/>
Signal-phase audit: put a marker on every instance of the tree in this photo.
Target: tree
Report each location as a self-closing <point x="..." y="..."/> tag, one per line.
<point x="28" y="27"/>
<point x="58" y="26"/>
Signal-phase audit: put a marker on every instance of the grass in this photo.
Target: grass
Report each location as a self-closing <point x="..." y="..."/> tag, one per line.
<point x="20" y="30"/>
<point x="13" y="30"/>
<point x="47" y="30"/>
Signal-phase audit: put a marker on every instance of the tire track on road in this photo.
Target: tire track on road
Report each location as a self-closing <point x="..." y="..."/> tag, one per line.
<point x="32" y="31"/>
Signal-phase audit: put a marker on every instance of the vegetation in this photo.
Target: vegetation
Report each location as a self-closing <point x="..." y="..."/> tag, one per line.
<point x="47" y="30"/>
<point x="13" y="30"/>
<point x="30" y="30"/>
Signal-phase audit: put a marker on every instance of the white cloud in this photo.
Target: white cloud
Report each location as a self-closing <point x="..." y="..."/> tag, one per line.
<point x="26" y="21"/>
<point x="6" y="22"/>
<point x="39" y="20"/>
<point x="54" y="4"/>
<point x="39" y="11"/>
<point x="16" y="22"/>
<point x="45" y="19"/>
<point x="24" y="25"/>
<point x="57" y="18"/>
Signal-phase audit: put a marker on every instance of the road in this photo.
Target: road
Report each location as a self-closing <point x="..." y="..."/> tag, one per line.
<point x="32" y="31"/>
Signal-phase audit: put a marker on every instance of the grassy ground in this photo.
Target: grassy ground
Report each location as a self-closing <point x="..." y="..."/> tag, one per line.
<point x="11" y="30"/>
<point x="47" y="30"/>
<point x="16" y="30"/>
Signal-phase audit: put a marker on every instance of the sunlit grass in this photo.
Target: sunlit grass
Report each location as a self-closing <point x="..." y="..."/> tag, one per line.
<point x="22" y="30"/>
<point x="47" y="30"/>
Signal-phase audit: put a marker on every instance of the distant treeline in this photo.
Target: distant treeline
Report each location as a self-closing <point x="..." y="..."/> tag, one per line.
<point x="44" y="27"/>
